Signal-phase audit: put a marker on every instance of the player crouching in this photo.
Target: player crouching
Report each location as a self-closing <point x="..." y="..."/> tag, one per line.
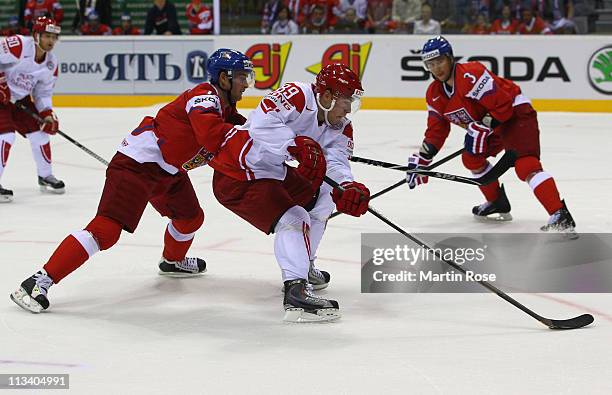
<point x="496" y="116"/>
<point x="27" y="67"/>
<point x="307" y="123"/>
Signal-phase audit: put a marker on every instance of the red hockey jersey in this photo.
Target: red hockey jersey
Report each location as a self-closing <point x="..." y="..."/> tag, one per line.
<point x="185" y="133"/>
<point x="35" y="8"/>
<point x="476" y="92"/>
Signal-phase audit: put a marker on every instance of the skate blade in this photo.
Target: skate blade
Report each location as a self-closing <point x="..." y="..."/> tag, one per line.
<point x="497" y="217"/>
<point x="48" y="189"/>
<point x="6" y="199"/>
<point x="298" y="315"/>
<point x="180" y="275"/>
<point x="23" y="300"/>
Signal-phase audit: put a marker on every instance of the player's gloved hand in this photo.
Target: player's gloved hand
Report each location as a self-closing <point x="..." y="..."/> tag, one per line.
<point x="50" y="123"/>
<point x="476" y="138"/>
<point x="416" y="161"/>
<point x="5" y="92"/>
<point x="353" y="200"/>
<point x="312" y="161"/>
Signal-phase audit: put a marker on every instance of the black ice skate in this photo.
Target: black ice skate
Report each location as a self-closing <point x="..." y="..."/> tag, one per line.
<point x="301" y="305"/>
<point x="32" y="295"/>
<point x="319" y="279"/>
<point x="51" y="184"/>
<point x="188" y="267"/>
<point x="561" y="221"/>
<point x="499" y="210"/>
<point x="6" y="195"/>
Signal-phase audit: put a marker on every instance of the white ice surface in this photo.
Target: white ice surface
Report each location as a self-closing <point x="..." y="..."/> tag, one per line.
<point x="117" y="327"/>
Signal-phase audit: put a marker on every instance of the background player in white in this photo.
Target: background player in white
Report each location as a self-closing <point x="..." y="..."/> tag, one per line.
<point x="308" y="123"/>
<point x="151" y="166"/>
<point x="27" y="67"/>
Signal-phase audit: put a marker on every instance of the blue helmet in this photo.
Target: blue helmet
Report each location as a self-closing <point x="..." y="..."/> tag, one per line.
<point x="434" y="47"/>
<point x="229" y="60"/>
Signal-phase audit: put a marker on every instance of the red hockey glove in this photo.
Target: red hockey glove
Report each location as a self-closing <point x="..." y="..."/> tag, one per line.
<point x="5" y="92"/>
<point x="50" y="123"/>
<point x="312" y="161"/>
<point x="476" y="138"/>
<point x="354" y="200"/>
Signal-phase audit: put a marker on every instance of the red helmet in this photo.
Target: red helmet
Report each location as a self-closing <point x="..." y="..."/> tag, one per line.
<point x="44" y="24"/>
<point x="340" y="80"/>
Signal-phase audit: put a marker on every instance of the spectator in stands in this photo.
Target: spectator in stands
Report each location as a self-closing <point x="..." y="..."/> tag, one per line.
<point x="84" y="7"/>
<point x="14" y="28"/>
<point x="93" y="27"/>
<point x="38" y="8"/>
<point x="405" y="13"/>
<point x="329" y="6"/>
<point x="426" y="25"/>
<point x="506" y="24"/>
<point x="349" y="23"/>
<point x="379" y="16"/>
<point x="199" y="17"/>
<point x="300" y="10"/>
<point x="284" y="24"/>
<point x="357" y="10"/>
<point x="269" y="14"/>
<point x="317" y="21"/>
<point x="126" y="28"/>
<point x="481" y="25"/>
<point x="162" y="18"/>
<point x="532" y="24"/>
<point x="560" y="15"/>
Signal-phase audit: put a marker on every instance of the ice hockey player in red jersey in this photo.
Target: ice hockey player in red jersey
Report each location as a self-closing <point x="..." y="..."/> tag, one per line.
<point x="93" y="27"/>
<point x="126" y="28"/>
<point x="496" y="116"/>
<point x="28" y="70"/>
<point x="151" y="166"/>
<point x="307" y="123"/>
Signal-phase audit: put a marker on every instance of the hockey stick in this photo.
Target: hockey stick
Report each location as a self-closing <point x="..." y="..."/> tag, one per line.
<point x="502" y="165"/>
<point x="64" y="135"/>
<point x="571" y="323"/>
<point x="403" y="180"/>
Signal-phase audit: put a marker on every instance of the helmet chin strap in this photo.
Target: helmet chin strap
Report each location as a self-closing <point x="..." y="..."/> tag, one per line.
<point x="325" y="110"/>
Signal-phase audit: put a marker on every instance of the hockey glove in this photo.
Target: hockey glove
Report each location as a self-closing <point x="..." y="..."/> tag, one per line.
<point x="416" y="161"/>
<point x="476" y="138"/>
<point x="312" y="161"/>
<point x="353" y="200"/>
<point x="5" y="92"/>
<point x="50" y="123"/>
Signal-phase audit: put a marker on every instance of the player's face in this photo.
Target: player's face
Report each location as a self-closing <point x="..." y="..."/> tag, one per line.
<point x="340" y="110"/>
<point x="47" y="41"/>
<point x="240" y="82"/>
<point x="441" y="67"/>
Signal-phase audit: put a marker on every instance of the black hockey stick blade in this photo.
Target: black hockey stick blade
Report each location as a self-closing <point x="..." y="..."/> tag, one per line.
<point x="572" y="323"/>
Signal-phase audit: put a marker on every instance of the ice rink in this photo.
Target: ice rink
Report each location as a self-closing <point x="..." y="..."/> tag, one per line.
<point x="117" y="327"/>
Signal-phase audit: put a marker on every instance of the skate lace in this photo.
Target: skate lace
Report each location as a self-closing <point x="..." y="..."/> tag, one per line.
<point x="554" y="218"/>
<point x="43" y="282"/>
<point x="316" y="273"/>
<point x="188" y="263"/>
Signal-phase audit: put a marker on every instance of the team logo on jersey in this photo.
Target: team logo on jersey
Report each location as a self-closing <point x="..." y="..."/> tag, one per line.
<point x="50" y="66"/>
<point x="196" y="67"/>
<point x="459" y="117"/>
<point x="202" y="158"/>
<point x="269" y="61"/>
<point x="352" y="55"/>
<point x="599" y="70"/>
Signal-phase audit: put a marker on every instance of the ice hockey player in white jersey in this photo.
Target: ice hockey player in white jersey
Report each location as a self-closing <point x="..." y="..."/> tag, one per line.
<point x="28" y="70"/>
<point x="307" y="123"/>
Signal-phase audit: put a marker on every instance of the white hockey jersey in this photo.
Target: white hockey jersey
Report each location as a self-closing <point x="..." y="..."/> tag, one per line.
<point x="24" y="75"/>
<point x="258" y="149"/>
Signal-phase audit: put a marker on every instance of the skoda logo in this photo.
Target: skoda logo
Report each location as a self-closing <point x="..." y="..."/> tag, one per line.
<point x="599" y="70"/>
<point x="196" y="67"/>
